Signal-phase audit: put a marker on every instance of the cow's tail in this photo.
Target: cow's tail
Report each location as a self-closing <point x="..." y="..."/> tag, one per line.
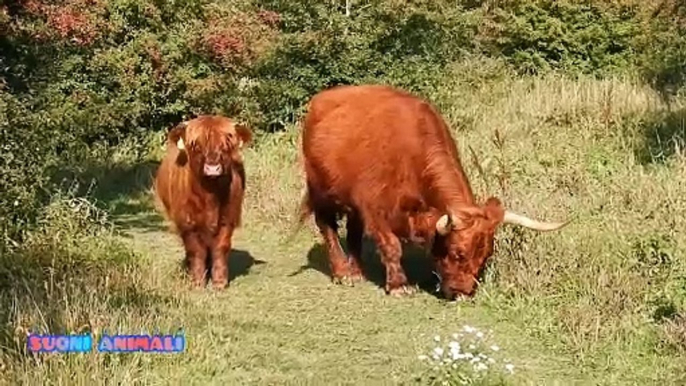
<point x="304" y="210"/>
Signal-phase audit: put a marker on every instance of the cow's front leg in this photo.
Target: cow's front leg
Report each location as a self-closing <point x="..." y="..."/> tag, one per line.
<point x="196" y="257"/>
<point x="391" y="252"/>
<point x="220" y="256"/>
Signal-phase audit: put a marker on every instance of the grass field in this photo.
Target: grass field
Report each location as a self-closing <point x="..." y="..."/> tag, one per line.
<point x="600" y="302"/>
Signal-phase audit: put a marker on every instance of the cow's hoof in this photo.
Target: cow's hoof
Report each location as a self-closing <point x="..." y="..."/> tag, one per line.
<point x="356" y="277"/>
<point x="351" y="280"/>
<point x="356" y="274"/>
<point x="343" y="280"/>
<point x="402" y="291"/>
<point x="198" y="284"/>
<point x="218" y="286"/>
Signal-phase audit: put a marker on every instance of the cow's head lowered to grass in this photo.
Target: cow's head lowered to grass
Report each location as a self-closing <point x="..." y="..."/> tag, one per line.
<point x="210" y="144"/>
<point x="464" y="242"/>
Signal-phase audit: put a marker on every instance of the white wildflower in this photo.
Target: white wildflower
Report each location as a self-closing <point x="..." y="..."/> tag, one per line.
<point x="480" y="367"/>
<point x="509" y="367"/>
<point x="469" y="329"/>
<point x="479" y="334"/>
<point x="468" y="355"/>
<point x="437" y="338"/>
<point x="475" y="359"/>
<point x="495" y="348"/>
<point x="438" y="351"/>
<point x="454" y="345"/>
<point x="491" y="360"/>
<point x="422" y="357"/>
<point x="472" y="347"/>
<point x="456" y="336"/>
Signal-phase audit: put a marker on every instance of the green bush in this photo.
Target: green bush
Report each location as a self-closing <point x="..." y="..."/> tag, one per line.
<point x="381" y="43"/>
<point x="581" y="37"/>
<point x="77" y="76"/>
<point x="663" y="58"/>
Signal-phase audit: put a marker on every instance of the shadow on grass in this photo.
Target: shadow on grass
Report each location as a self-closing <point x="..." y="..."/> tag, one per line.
<point x="240" y="262"/>
<point x="122" y="180"/>
<point x="662" y="135"/>
<point x="417" y="265"/>
<point x="147" y="220"/>
<point x="124" y="190"/>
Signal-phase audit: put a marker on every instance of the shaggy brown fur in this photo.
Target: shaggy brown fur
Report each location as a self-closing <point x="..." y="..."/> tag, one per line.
<point x="386" y="160"/>
<point x="199" y="187"/>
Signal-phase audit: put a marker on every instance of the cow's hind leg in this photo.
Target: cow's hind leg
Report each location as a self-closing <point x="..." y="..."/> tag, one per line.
<point x="391" y="252"/>
<point x="355" y="233"/>
<point x="326" y="222"/>
<point x="196" y="257"/>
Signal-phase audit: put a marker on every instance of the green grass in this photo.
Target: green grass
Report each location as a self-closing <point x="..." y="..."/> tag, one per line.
<point x="596" y="303"/>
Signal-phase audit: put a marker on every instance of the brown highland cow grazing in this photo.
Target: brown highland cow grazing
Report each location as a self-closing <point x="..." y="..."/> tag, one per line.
<point x="200" y="186"/>
<point x="386" y="160"/>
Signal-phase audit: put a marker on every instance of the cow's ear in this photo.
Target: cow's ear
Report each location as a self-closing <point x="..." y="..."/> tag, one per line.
<point x="177" y="135"/>
<point x="244" y="135"/>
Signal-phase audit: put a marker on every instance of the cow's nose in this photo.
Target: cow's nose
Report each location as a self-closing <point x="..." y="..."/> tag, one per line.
<point x="456" y="292"/>
<point x="212" y="170"/>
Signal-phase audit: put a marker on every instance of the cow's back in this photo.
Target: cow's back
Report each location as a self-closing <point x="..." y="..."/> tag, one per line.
<point x="366" y="147"/>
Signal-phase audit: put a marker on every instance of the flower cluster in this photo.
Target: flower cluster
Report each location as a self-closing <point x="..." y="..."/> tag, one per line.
<point x="465" y="357"/>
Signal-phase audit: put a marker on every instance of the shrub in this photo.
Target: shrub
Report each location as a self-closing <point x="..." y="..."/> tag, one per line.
<point x="382" y="43"/>
<point x="663" y="46"/>
<point x="66" y="277"/>
<point x="584" y="37"/>
<point x="76" y="75"/>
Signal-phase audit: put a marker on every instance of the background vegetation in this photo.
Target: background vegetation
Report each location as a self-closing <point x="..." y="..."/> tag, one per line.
<point x="569" y="107"/>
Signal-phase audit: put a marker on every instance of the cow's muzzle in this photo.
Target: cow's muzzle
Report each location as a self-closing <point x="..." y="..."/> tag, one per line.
<point x="212" y="170"/>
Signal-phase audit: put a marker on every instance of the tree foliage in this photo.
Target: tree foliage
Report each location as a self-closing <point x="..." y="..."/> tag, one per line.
<point x="76" y="75"/>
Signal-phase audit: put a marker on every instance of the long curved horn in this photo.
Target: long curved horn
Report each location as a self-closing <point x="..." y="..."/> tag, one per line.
<point x="518" y="219"/>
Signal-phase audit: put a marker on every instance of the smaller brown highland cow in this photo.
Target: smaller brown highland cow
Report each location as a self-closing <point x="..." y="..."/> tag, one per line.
<point x="199" y="187"/>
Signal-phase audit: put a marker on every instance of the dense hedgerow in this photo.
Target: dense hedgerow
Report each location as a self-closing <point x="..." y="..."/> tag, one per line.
<point x="663" y="46"/>
<point x="574" y="36"/>
<point x="80" y="74"/>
